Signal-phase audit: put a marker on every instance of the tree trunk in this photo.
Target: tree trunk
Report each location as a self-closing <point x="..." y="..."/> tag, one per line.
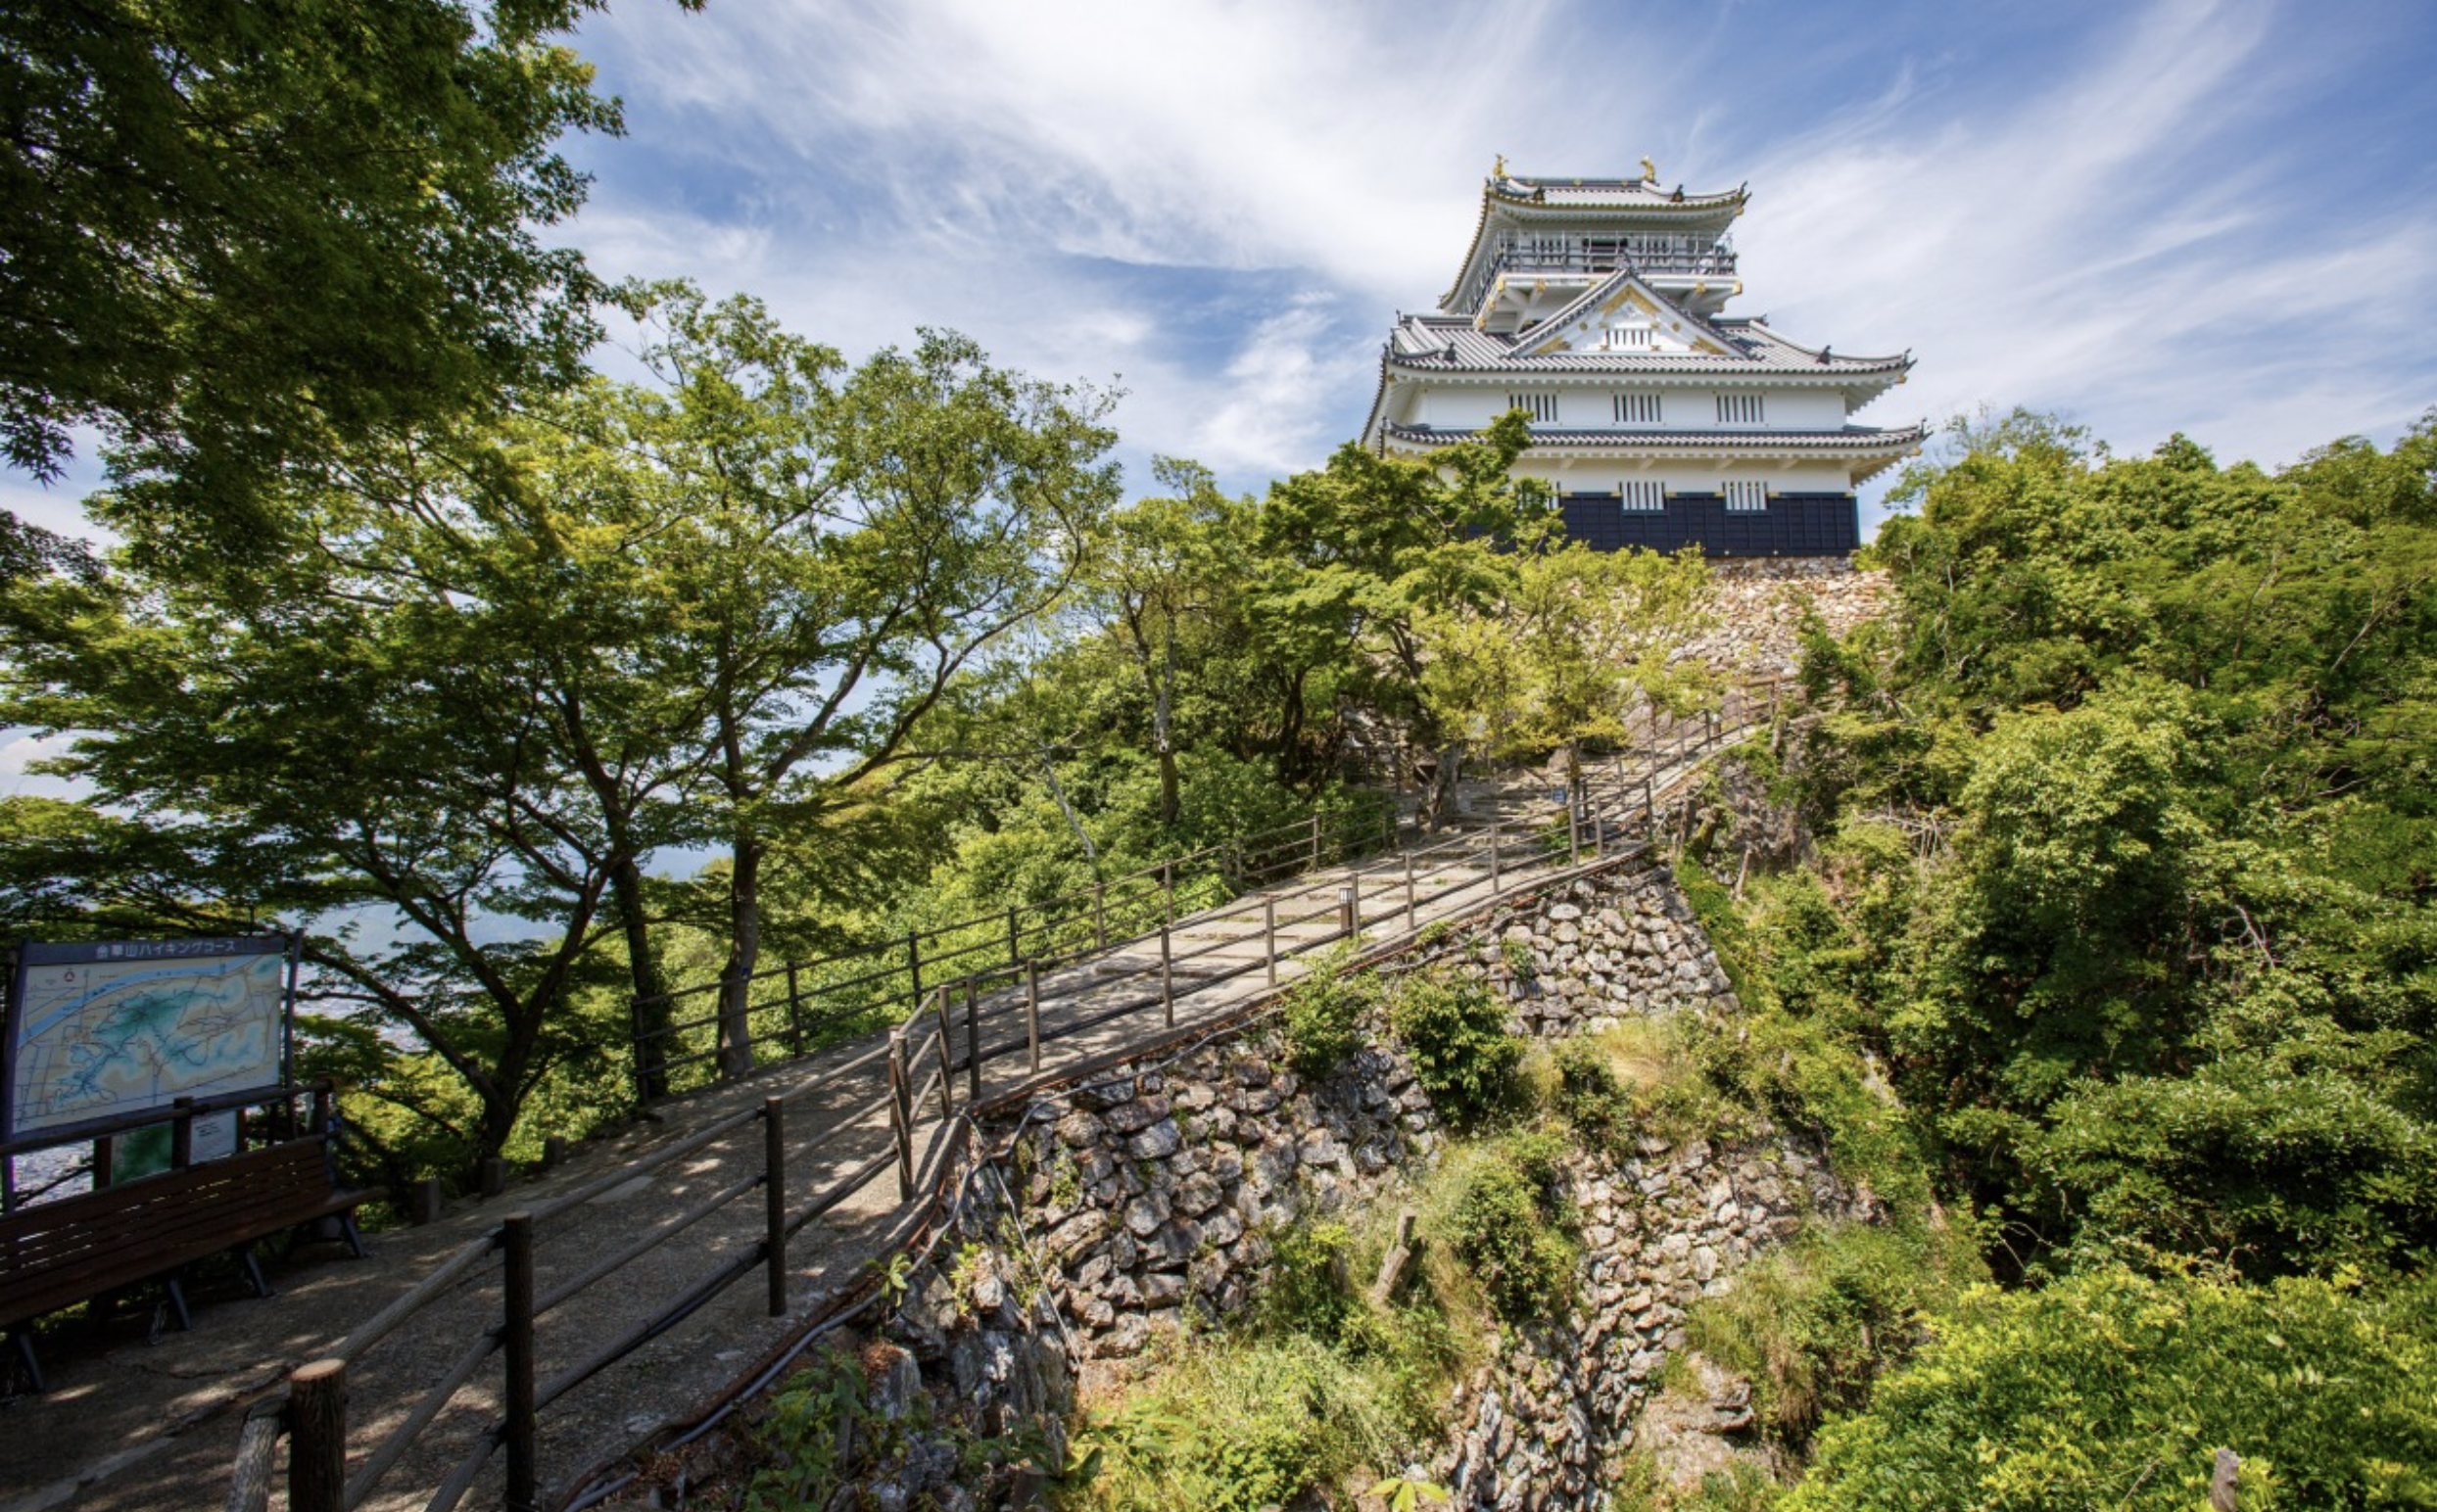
<point x="1290" y="732"/>
<point x="735" y="1029"/>
<point x="653" y="1013"/>
<point x="1439" y="797"/>
<point x="1163" y="733"/>
<point x="500" y="1110"/>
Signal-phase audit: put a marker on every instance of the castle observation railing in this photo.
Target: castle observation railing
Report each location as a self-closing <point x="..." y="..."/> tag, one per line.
<point x="1659" y="254"/>
<point x="906" y="1088"/>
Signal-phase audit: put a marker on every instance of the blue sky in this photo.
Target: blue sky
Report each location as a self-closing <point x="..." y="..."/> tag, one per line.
<point x="2220" y="218"/>
<point x="2211" y="217"/>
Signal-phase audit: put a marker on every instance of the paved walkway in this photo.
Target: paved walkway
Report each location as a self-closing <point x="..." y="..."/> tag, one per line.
<point x="140" y="1420"/>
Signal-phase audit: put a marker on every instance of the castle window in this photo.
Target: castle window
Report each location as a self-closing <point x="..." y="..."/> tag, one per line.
<point x="1636" y="409"/>
<point x="1628" y="338"/>
<point x="1740" y="410"/>
<point x="1746" y="494"/>
<point x="1542" y="407"/>
<point x="1643" y="494"/>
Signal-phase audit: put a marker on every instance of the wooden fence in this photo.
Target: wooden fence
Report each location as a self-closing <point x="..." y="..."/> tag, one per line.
<point x="806" y="1005"/>
<point x="936" y="1057"/>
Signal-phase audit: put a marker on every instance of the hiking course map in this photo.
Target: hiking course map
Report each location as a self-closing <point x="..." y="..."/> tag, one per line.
<point x="99" y="1030"/>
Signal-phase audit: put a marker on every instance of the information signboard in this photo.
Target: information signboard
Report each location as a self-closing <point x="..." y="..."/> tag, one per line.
<point x="101" y="1030"/>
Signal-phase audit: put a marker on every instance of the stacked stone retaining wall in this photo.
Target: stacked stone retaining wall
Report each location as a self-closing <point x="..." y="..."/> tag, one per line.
<point x="1150" y="1191"/>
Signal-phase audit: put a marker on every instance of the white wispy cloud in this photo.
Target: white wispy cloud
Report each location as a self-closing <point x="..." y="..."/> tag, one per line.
<point x="1016" y="171"/>
<point x="2123" y="243"/>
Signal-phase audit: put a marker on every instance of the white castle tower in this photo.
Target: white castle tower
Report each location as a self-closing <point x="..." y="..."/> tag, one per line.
<point x="1594" y="305"/>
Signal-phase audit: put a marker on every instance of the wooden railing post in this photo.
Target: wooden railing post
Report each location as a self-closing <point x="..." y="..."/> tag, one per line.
<point x="1099" y="915"/>
<point x="795" y="1009"/>
<point x="1015" y="951"/>
<point x="901" y="1113"/>
<point x="947" y="1061"/>
<point x="424" y="1202"/>
<point x="914" y="971"/>
<point x="973" y="1041"/>
<point x="1268" y="932"/>
<point x="1349" y="910"/>
<point x="1494" y="876"/>
<point x="1573" y="827"/>
<point x="317" y="1437"/>
<point x="1315" y="840"/>
<point x="516" y="1341"/>
<point x="1650" y="802"/>
<point x="1032" y="1013"/>
<point x="1167" y="926"/>
<point x="1412" y="914"/>
<point x="646" y="1085"/>
<point x="773" y="1198"/>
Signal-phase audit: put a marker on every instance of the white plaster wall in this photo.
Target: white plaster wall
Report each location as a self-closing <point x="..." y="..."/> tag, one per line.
<point x="1591" y="408"/>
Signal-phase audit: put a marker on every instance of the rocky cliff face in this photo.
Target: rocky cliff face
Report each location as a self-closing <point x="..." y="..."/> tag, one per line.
<point x="1124" y="1203"/>
<point x="1576" y="960"/>
<point x="1758" y="605"/>
<point x="1661" y="1230"/>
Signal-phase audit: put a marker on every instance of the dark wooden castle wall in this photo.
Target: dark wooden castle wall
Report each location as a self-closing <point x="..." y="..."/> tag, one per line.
<point x="1792" y="525"/>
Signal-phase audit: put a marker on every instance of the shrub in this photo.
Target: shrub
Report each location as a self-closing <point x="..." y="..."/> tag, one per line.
<point x="1513" y="1224"/>
<point x="2110" y="1388"/>
<point x="799" y="1438"/>
<point x="1306" y="1291"/>
<point x="1232" y="1429"/>
<point x="1588" y="1094"/>
<point x="1455" y="1033"/>
<point x="1817" y="1322"/>
<point x="1322" y="1017"/>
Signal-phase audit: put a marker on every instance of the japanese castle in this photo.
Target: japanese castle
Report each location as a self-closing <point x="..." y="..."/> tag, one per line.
<point x="1595" y="306"/>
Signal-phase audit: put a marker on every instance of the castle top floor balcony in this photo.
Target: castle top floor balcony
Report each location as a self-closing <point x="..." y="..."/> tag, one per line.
<point x="1540" y="254"/>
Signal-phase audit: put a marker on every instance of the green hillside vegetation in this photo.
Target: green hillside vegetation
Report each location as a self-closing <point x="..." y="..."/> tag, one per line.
<point x="2105" y="974"/>
<point x="2123" y="878"/>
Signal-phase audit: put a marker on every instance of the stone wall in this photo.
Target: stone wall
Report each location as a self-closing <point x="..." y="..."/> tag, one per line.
<point x="1149" y="1190"/>
<point x="1153" y="1189"/>
<point x="1759" y="604"/>
<point x="1577" y="959"/>
<point x="1660" y="1232"/>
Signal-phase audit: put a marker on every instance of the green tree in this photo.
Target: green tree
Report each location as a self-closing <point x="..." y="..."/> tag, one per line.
<point x="2130" y="845"/>
<point x="2115" y="1390"/>
<point x="244" y="233"/>
<point x="1581" y="642"/>
<point x="1365" y="556"/>
<point x="351" y="747"/>
<point x="843" y="552"/>
<point x="1160" y="568"/>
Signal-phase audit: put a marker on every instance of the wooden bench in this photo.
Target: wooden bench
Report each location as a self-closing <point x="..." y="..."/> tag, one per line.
<point x="54" y="1256"/>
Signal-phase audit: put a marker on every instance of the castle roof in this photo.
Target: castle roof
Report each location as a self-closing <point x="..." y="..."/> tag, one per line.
<point x="1847" y="440"/>
<point x="1641" y="195"/>
<point x="1431" y="343"/>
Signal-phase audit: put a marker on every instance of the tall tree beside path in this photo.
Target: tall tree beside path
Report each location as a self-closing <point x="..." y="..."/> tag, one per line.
<point x="241" y="233"/>
<point x="1163" y="566"/>
<point x="330" y="730"/>
<point x="845" y="551"/>
<point x="484" y="675"/>
<point x="1365" y="555"/>
<point x="1581" y="642"/>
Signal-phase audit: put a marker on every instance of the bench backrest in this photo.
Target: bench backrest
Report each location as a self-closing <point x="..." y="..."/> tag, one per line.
<point x="56" y="1254"/>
